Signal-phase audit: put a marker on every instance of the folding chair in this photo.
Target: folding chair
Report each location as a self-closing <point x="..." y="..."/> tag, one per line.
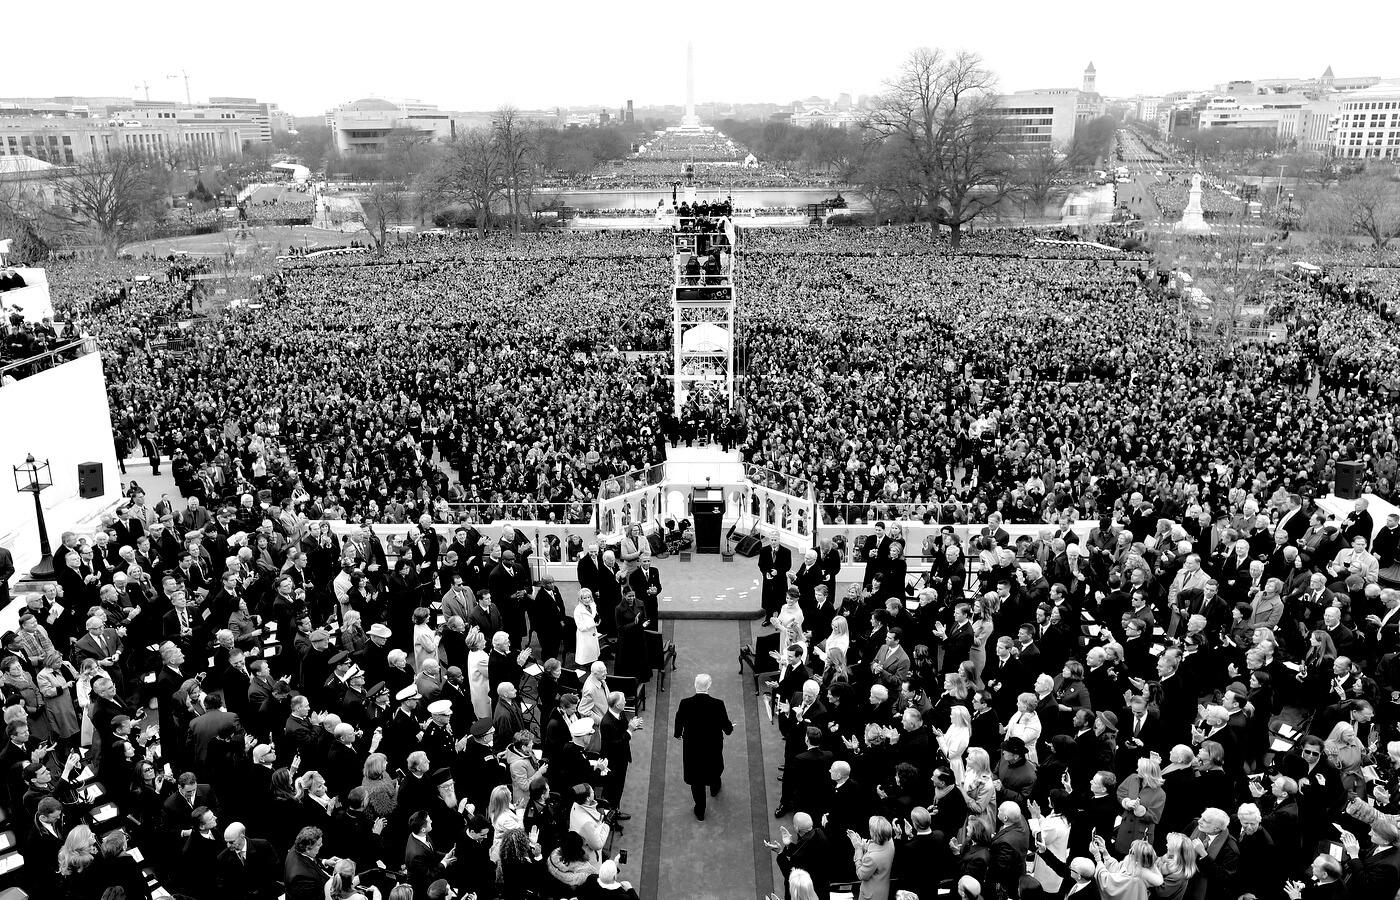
<point x="759" y="659"/>
<point x="662" y="655"/>
<point x="635" y="692"/>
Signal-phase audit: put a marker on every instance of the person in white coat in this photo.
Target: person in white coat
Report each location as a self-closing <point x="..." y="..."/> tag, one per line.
<point x="478" y="680"/>
<point x="587" y="820"/>
<point x="586" y="649"/>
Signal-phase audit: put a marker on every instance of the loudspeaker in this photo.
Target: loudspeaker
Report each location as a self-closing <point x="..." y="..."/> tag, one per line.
<point x="749" y="546"/>
<point x="90" y="480"/>
<point x="1349" y="477"/>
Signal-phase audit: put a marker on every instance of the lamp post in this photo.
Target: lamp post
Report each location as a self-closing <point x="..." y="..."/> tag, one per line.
<point x="33" y="477"/>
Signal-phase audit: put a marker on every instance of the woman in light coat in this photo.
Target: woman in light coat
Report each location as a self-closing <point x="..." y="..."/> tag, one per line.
<point x="478" y="673"/>
<point x="874" y="859"/>
<point x="1143" y="800"/>
<point x="586" y="649"/>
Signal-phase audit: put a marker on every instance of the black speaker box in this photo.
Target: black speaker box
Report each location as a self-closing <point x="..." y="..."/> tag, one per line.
<point x="749" y="546"/>
<point x="90" y="480"/>
<point x="1350" y="475"/>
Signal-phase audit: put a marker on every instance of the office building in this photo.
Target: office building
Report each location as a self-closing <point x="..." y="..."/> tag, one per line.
<point x="363" y="126"/>
<point x="1368" y="123"/>
<point x="1041" y="118"/>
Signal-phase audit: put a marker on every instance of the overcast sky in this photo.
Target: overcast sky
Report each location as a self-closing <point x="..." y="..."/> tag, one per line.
<point x="479" y="55"/>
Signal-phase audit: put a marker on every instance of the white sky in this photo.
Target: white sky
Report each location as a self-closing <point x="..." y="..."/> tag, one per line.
<point x="479" y="54"/>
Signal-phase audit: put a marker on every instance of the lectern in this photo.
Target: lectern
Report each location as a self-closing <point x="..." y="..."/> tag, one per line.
<point x="707" y="504"/>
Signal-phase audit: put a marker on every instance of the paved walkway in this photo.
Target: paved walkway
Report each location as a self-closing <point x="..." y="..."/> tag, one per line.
<point x="722" y="857"/>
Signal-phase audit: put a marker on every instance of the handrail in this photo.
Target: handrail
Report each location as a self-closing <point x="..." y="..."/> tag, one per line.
<point x="85" y="346"/>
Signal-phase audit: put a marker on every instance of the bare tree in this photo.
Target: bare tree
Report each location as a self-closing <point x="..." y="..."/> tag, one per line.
<point x="938" y="112"/>
<point x="471" y="173"/>
<point x="1038" y="177"/>
<point x="518" y="151"/>
<point x="110" y="195"/>
<point x="1368" y="205"/>
<point x="385" y="205"/>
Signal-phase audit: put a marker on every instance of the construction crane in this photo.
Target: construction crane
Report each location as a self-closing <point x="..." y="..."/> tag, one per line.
<point x="145" y="87"/>
<point x="186" y="76"/>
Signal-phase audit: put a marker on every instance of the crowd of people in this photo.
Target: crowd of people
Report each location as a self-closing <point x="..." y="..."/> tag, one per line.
<point x="1172" y="196"/>
<point x="261" y="709"/>
<point x="646" y="173"/>
<point x="1042" y="365"/>
<point x="1156" y="704"/>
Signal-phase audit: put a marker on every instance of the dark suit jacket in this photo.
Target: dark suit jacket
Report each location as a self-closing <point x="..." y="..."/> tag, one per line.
<point x="702" y="722"/>
<point x="1216" y="870"/>
<point x="956" y="648"/>
<point x="423" y="863"/>
<point x="304" y="879"/>
<point x="812" y="853"/>
<point x="257" y="878"/>
<point x="1376" y="876"/>
<point x="202" y="732"/>
<point x="176" y="811"/>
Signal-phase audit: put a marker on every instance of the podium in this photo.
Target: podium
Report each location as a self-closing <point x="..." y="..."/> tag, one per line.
<point x="707" y="506"/>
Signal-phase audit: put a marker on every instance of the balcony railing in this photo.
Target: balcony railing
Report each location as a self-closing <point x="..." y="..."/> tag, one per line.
<point x="23" y="368"/>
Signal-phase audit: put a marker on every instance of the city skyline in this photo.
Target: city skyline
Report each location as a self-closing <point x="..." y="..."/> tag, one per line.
<point x="639" y="54"/>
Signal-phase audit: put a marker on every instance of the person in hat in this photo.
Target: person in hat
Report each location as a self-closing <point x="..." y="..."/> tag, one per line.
<point x="377" y="708"/>
<point x="438" y="740"/>
<point x="479" y="769"/>
<point x="374" y="658"/>
<point x="1015" y="771"/>
<point x="570" y="765"/>
<point x="404" y="730"/>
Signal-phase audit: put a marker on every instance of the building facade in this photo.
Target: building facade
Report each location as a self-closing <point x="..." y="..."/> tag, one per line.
<point x="63" y="139"/>
<point x="1040" y="118"/>
<point x="363" y="127"/>
<point x="1368" y="123"/>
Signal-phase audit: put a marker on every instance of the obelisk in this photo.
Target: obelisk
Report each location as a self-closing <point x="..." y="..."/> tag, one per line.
<point x="690" y="120"/>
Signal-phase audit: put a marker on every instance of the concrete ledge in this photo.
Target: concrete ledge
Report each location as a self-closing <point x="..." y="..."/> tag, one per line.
<point x="714" y="614"/>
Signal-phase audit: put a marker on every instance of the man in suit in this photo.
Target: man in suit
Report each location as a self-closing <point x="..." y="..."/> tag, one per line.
<point x="590" y="569"/>
<point x="702" y="722"/>
<point x="774" y="563"/>
<point x="303" y="876"/>
<point x="805" y="711"/>
<point x="178" y="808"/>
<point x="616" y="749"/>
<point x="1217" y="855"/>
<point x="810" y="775"/>
<point x="1358" y="523"/>
<point x="645" y="582"/>
<point x="807" y="850"/>
<point x="1374" y="875"/>
<point x="891" y="663"/>
<point x="423" y="862"/>
<point x="806" y="579"/>
<point x="249" y="868"/>
<point x="1294" y="520"/>
<point x="104" y="645"/>
<point x="214" y="723"/>
<point x="957" y="641"/>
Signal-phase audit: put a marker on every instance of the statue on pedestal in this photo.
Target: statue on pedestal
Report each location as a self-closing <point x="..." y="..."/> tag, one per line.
<point x="1192" y="218"/>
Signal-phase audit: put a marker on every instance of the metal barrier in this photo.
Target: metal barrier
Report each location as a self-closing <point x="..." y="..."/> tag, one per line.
<point x="57" y="356"/>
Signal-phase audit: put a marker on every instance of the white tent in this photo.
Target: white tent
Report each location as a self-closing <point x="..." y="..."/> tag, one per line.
<point x="706" y="337"/>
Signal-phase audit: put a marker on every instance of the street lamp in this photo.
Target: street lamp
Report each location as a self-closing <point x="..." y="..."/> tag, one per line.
<point x="33" y="477"/>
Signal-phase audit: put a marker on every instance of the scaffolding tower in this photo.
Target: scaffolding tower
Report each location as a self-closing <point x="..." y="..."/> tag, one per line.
<point x="704" y="268"/>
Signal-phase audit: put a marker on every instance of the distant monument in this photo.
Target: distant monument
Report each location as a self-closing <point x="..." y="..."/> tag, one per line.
<point x="690" y="122"/>
<point x="1192" y="220"/>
